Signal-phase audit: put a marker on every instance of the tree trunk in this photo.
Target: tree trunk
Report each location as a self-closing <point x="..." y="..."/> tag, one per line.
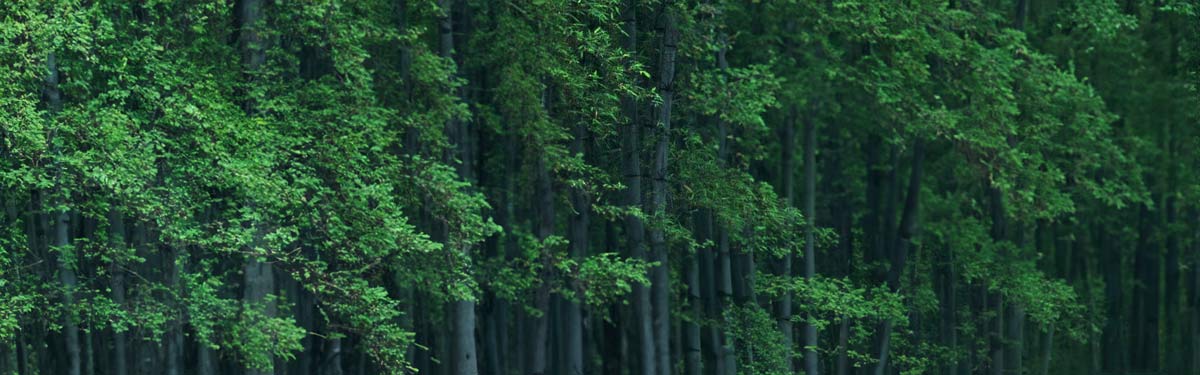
<point x="1145" y="320"/>
<point x="332" y="363"/>
<point x="116" y="240"/>
<point x="1194" y="297"/>
<point x="1171" y="290"/>
<point x="996" y="300"/>
<point x="871" y="222"/>
<point x="948" y="330"/>
<point x="579" y="247"/>
<point x="725" y="261"/>
<point x="259" y="277"/>
<point x="660" y="282"/>
<point x="783" y="268"/>
<point x="725" y="268"/>
<point x="906" y="231"/>
<point x="463" y="356"/>
<point x="1015" y="338"/>
<point x="66" y="274"/>
<point x="713" y="335"/>
<point x="61" y="236"/>
<point x="631" y="154"/>
<point x="612" y="330"/>
<point x="545" y="227"/>
<point x="810" y="212"/>
<point x="691" y="329"/>
<point x="1113" y="344"/>
<point x="174" y="334"/>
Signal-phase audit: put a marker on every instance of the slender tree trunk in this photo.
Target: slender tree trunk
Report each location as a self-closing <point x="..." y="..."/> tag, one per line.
<point x="1194" y="296"/>
<point x="614" y="347"/>
<point x="1113" y="345"/>
<point x="89" y="364"/>
<point x="513" y="355"/>
<point x="332" y="363"/>
<point x="871" y="222"/>
<point x="11" y="358"/>
<point x="174" y="335"/>
<point x="259" y="277"/>
<point x="787" y="166"/>
<point x="810" y="212"/>
<point x="6" y="350"/>
<point x="61" y="236"/>
<point x="725" y="258"/>
<point x="1095" y="353"/>
<point x="463" y="356"/>
<point x="22" y="354"/>
<point x="1015" y="338"/>
<point x="206" y="357"/>
<point x="631" y="154"/>
<point x="660" y="282"/>
<point x="66" y="274"/>
<point x="116" y="240"/>
<point x="579" y="246"/>
<point x="725" y="268"/>
<point x="691" y="329"/>
<point x="494" y="310"/>
<point x="906" y="231"/>
<point x="996" y="300"/>
<point x="545" y="226"/>
<point x="1047" y="350"/>
<point x="259" y="283"/>
<point x="1145" y="350"/>
<point x="1171" y="290"/>
<point x="147" y="355"/>
<point x="947" y="328"/>
<point x="1192" y="280"/>
<point x="713" y="335"/>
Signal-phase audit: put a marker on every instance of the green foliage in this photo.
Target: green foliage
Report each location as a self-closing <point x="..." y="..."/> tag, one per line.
<point x="758" y="338"/>
<point x="383" y="177"/>
<point x="606" y="278"/>
<point x="258" y="337"/>
<point x="825" y="301"/>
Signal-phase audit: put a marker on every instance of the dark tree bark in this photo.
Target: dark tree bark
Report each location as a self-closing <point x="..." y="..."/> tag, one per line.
<point x="712" y="358"/>
<point x="1015" y="338"/>
<point x="724" y="265"/>
<point x="538" y="356"/>
<point x="906" y="231"/>
<point x="174" y="334"/>
<point x="842" y="215"/>
<point x="1193" y="296"/>
<point x="1144" y="353"/>
<point x="691" y="329"/>
<point x="995" y="299"/>
<point x="66" y="275"/>
<point x="259" y="276"/>
<point x="116" y="240"/>
<point x="871" y="223"/>
<point x="660" y="282"/>
<point x="332" y="363"/>
<point x="787" y="167"/>
<point x="614" y="348"/>
<point x="725" y="258"/>
<point x="1171" y="296"/>
<point x="1113" y="342"/>
<point x="60" y="240"/>
<point x="810" y="212"/>
<point x="631" y="166"/>
<point x="463" y="356"/>
<point x="573" y="319"/>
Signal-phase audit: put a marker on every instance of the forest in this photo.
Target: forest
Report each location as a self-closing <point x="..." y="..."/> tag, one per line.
<point x="567" y="187"/>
